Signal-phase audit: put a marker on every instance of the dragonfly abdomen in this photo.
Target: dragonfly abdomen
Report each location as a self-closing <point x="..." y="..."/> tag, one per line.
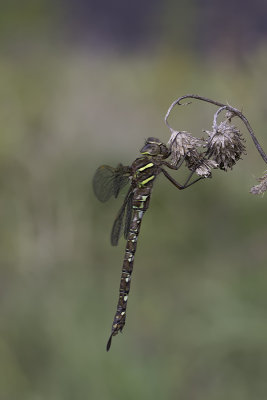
<point x="109" y="181"/>
<point x="140" y="204"/>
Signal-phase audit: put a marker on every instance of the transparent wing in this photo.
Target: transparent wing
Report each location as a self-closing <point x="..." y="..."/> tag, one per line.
<point x="116" y="229"/>
<point x="120" y="180"/>
<point x="118" y="223"/>
<point x="109" y="181"/>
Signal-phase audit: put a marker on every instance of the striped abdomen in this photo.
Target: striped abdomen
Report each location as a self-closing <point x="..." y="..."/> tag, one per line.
<point x="141" y="197"/>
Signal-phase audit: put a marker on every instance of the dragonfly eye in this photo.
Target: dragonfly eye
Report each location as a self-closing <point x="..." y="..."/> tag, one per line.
<point x="153" y="140"/>
<point x="150" y="149"/>
<point x="164" y="151"/>
<point x="154" y="147"/>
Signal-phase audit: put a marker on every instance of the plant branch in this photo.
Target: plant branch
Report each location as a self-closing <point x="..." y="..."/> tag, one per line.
<point x="224" y="106"/>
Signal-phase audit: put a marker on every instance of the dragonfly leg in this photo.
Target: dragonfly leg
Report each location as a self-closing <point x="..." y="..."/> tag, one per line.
<point x="178" y="185"/>
<point x="171" y="166"/>
<point x="187" y="184"/>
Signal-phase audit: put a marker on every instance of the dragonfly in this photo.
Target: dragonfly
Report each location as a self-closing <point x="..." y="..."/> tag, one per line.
<point x="108" y="182"/>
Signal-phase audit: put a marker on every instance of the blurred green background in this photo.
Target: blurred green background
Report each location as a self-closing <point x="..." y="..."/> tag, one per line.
<point x="82" y="84"/>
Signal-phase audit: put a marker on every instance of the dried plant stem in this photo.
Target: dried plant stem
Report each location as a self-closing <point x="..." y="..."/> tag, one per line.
<point x="224" y="106"/>
<point x="214" y="126"/>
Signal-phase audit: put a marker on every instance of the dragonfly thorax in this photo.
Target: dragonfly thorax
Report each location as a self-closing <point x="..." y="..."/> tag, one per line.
<point x="154" y="147"/>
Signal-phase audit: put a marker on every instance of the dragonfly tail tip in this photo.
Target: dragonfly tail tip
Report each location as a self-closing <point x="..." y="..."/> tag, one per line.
<point x="109" y="342"/>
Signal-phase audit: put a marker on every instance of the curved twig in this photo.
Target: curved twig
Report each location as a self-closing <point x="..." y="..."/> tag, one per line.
<point x="223" y="106"/>
<point x="214" y="126"/>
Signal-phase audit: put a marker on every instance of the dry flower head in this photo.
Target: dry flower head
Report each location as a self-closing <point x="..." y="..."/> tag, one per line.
<point x="225" y="145"/>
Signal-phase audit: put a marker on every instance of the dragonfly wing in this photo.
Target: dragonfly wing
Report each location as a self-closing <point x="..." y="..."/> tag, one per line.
<point x="109" y="181"/>
<point x="120" y="180"/>
<point x="118" y="223"/>
<point x="103" y="182"/>
<point x="116" y="229"/>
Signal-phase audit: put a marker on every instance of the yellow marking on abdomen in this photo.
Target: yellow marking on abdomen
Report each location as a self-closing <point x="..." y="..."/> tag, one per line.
<point x="147" y="180"/>
<point x="143" y="198"/>
<point x="149" y="165"/>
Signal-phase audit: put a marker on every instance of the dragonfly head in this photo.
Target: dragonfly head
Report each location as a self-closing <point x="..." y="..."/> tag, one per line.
<point x="154" y="147"/>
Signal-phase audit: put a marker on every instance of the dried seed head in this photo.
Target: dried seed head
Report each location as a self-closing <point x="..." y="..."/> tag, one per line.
<point x="198" y="163"/>
<point x="205" y="168"/>
<point x="193" y="160"/>
<point x="262" y="186"/>
<point x="182" y="144"/>
<point x="225" y="145"/>
<point x="229" y="115"/>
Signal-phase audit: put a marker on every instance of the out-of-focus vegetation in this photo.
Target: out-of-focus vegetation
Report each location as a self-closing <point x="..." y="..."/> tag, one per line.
<point x="196" y="325"/>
